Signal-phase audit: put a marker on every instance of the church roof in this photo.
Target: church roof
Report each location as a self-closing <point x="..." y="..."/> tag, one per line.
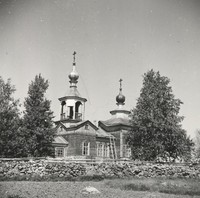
<point x="76" y="126"/>
<point x="102" y="133"/>
<point x="114" y="124"/>
<point x="117" y="121"/>
<point x="99" y="131"/>
<point x="80" y="124"/>
<point x="73" y="91"/>
<point x="60" y="140"/>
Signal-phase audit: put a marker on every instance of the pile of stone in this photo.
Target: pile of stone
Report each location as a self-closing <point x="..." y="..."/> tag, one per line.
<point x="40" y="168"/>
<point x="145" y="170"/>
<point x="65" y="170"/>
<point x="46" y="169"/>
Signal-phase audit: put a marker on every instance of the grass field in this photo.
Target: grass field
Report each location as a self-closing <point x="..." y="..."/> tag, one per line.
<point x="169" y="186"/>
<point x="116" y="188"/>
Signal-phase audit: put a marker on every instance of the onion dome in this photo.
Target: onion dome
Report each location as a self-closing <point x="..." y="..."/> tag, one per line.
<point x="73" y="76"/>
<point x="120" y="97"/>
<point x="120" y="113"/>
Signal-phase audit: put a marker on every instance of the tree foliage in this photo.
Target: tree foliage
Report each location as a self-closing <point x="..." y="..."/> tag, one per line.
<point x="157" y="130"/>
<point x="11" y="139"/>
<point x="38" y="119"/>
<point x="197" y="144"/>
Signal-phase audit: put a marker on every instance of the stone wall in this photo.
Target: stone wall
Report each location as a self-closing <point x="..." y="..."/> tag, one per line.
<point x="46" y="169"/>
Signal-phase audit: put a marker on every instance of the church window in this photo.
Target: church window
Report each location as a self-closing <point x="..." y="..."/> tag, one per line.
<point x="103" y="149"/>
<point x="126" y="151"/>
<point x="86" y="127"/>
<point x="86" y="148"/>
<point x="100" y="149"/>
<point x="59" y="152"/>
<point x="107" y="150"/>
<point x="97" y="146"/>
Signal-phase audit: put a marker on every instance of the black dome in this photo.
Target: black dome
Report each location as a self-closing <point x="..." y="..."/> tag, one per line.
<point x="120" y="99"/>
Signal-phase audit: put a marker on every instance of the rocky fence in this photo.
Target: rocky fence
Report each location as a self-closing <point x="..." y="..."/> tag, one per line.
<point x="46" y="170"/>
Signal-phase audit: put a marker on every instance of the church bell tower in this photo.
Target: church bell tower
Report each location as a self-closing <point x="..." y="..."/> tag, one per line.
<point x="72" y="105"/>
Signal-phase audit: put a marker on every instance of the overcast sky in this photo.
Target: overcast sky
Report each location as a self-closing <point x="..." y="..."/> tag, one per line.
<point x="113" y="39"/>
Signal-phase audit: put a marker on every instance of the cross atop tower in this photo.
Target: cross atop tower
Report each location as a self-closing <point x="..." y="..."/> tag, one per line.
<point x="120" y="82"/>
<point x="74" y="54"/>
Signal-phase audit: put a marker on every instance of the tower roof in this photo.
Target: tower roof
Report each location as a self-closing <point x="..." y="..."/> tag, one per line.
<point x="120" y="117"/>
<point x="120" y="98"/>
<point x="73" y="92"/>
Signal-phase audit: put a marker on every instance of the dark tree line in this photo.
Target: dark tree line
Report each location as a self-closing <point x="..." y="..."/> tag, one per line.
<point x="30" y="134"/>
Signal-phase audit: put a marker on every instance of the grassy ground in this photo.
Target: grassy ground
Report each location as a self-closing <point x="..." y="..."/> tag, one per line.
<point x="118" y="188"/>
<point x="169" y="186"/>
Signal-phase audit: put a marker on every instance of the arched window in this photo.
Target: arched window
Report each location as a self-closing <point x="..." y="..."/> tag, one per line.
<point x="63" y="103"/>
<point x="70" y="112"/>
<point x="78" y="114"/>
<point x="86" y="148"/>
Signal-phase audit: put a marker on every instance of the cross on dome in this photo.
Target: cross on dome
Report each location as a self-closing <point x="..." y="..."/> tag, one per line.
<point x="120" y="81"/>
<point x="74" y="54"/>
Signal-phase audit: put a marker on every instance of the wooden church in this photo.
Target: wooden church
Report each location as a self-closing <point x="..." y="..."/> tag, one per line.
<point x="78" y="138"/>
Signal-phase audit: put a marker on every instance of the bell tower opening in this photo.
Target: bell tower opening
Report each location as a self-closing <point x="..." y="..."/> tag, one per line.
<point x="62" y="115"/>
<point x="70" y="112"/>
<point x="78" y="112"/>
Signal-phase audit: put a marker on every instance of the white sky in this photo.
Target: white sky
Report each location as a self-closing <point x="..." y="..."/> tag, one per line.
<point x="114" y="39"/>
